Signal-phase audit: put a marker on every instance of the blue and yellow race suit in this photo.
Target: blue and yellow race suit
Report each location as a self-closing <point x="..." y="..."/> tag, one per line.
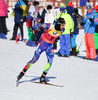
<point x="46" y="44"/>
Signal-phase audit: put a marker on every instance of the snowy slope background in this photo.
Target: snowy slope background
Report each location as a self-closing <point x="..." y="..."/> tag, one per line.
<point x="79" y="77"/>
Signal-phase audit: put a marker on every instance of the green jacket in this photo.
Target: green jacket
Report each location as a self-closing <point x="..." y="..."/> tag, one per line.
<point x="69" y="26"/>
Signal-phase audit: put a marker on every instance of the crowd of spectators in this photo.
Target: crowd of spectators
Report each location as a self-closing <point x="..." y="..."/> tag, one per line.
<point x="38" y="14"/>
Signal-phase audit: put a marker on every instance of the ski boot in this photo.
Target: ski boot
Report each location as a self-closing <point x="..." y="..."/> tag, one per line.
<point x="74" y="52"/>
<point x="42" y="78"/>
<point x="96" y="51"/>
<point x="21" y="74"/>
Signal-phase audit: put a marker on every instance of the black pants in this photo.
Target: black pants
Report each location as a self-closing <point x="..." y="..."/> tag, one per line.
<point x="96" y="29"/>
<point x="15" y="29"/>
<point x="3" y="28"/>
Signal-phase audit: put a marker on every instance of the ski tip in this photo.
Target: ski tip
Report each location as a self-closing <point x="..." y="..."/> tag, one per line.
<point x="17" y="82"/>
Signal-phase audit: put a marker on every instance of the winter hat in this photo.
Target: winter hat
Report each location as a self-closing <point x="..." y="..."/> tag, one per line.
<point x="70" y="4"/>
<point x="58" y="24"/>
<point x="41" y="5"/>
<point x="62" y="6"/>
<point x="49" y="7"/>
<point x="88" y="6"/>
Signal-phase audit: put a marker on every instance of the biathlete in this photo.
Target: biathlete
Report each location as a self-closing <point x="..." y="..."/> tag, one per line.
<point x="51" y="33"/>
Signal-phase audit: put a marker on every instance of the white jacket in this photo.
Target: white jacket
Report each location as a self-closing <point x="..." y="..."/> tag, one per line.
<point x="32" y="10"/>
<point x="49" y="17"/>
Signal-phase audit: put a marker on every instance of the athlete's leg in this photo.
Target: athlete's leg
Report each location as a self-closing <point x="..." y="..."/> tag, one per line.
<point x="50" y="55"/>
<point x="31" y="62"/>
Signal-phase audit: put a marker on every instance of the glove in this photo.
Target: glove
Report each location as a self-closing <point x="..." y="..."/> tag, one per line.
<point x="82" y="23"/>
<point x="91" y="20"/>
<point x="31" y="29"/>
<point x="57" y="39"/>
<point x="63" y="11"/>
<point x="55" y="21"/>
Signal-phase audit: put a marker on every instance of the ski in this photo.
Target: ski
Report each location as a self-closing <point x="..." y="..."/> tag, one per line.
<point x="17" y="83"/>
<point x="48" y="84"/>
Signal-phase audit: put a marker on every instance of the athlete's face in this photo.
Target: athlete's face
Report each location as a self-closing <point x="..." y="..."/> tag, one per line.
<point x="62" y="26"/>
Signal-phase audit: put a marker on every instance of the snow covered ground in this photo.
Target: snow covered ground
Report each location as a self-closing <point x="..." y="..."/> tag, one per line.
<point x="79" y="77"/>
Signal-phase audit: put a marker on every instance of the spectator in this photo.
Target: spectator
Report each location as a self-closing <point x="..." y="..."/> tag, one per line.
<point x="19" y="20"/>
<point x="49" y="16"/>
<point x="89" y="23"/>
<point x="3" y="15"/>
<point x="83" y="6"/>
<point x="41" y="13"/>
<point x="36" y="13"/>
<point x="70" y="11"/>
<point x="31" y="14"/>
<point x="64" y="50"/>
<point x="40" y="17"/>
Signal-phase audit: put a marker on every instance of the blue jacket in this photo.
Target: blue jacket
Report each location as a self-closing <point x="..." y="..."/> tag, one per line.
<point x="89" y="27"/>
<point x="18" y="14"/>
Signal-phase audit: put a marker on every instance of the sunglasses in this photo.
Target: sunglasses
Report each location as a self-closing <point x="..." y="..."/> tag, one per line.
<point x="62" y="24"/>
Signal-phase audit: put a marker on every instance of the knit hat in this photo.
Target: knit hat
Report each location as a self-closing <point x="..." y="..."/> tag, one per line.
<point x="62" y="6"/>
<point x="70" y="10"/>
<point x="41" y="5"/>
<point x="88" y="6"/>
<point x="70" y="4"/>
<point x="58" y="24"/>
